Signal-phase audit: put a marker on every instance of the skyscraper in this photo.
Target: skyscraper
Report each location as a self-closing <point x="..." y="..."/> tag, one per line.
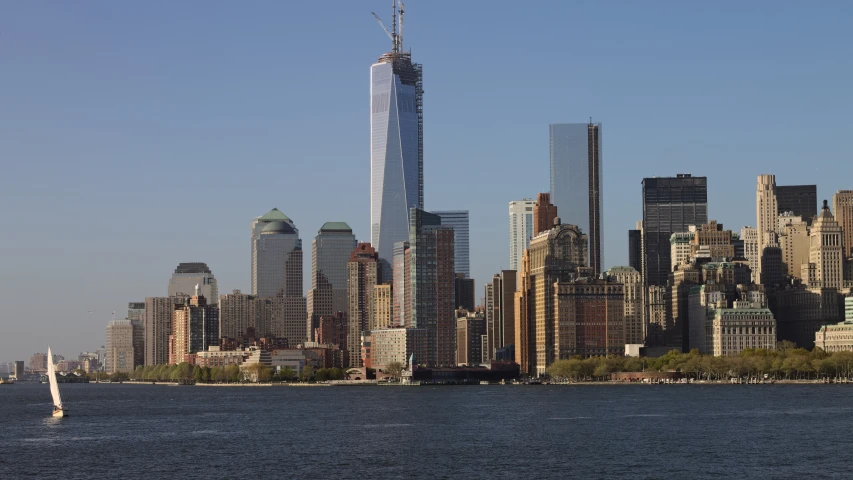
<point x="433" y="285"/>
<point x="635" y="247"/>
<point x="363" y="274"/>
<point x="842" y="205"/>
<point x="188" y="275"/>
<point x="520" y="230"/>
<point x="767" y="212"/>
<point x="544" y="214"/>
<point x="800" y="199"/>
<point x="396" y="144"/>
<point x="670" y="204"/>
<point x="464" y="292"/>
<point x="239" y="312"/>
<point x="159" y="315"/>
<point x="195" y="328"/>
<point x="136" y="315"/>
<point x="277" y="272"/>
<point x="401" y="290"/>
<point x="458" y="221"/>
<point x="825" y="268"/>
<point x="330" y="252"/>
<point x="576" y="180"/>
<point x="258" y="224"/>
<point x="120" y="346"/>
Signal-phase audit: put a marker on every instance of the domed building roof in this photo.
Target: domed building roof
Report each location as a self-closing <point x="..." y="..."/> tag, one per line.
<point x="278" y="227"/>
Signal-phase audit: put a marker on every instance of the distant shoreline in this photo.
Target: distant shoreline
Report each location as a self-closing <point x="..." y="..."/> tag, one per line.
<point x="373" y="383"/>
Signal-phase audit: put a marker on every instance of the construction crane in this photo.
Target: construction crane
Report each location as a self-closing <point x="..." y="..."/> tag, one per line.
<point x="396" y="38"/>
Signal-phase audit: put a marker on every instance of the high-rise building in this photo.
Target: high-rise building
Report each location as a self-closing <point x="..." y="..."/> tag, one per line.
<point x="544" y="214"/>
<point x="670" y="204"/>
<point x="380" y="312"/>
<point x="121" y="353"/>
<point x="38" y="363"/>
<point x="330" y="252"/>
<point x="826" y="262"/>
<point x="794" y="242"/>
<point x="401" y="285"/>
<point x="277" y="272"/>
<point x="500" y="316"/>
<point x="239" y="312"/>
<point x="195" y="328"/>
<point x="433" y="285"/>
<point x="258" y="224"/>
<point x="188" y="275"/>
<point x="632" y="289"/>
<point x="458" y="221"/>
<point x="559" y="254"/>
<point x="576" y="181"/>
<point x="799" y="199"/>
<point x="470" y="331"/>
<point x="520" y="230"/>
<point x="464" y="292"/>
<point x="749" y="235"/>
<point x="363" y="273"/>
<point x="767" y="211"/>
<point x="136" y="315"/>
<point x="398" y="345"/>
<point x="396" y="145"/>
<point x="635" y="248"/>
<point x="159" y="315"/>
<point x="842" y="205"/>
<point x="589" y="318"/>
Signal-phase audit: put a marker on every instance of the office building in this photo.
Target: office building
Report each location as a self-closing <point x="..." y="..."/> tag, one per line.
<point x="742" y="327"/>
<point x="433" y="285"/>
<point x="458" y="221"/>
<point x="794" y="243"/>
<point x="503" y="315"/>
<point x="826" y="261"/>
<point x="680" y="247"/>
<point x="544" y="214"/>
<point x="330" y="252"/>
<point x="767" y="211"/>
<point x="632" y="290"/>
<point x="401" y="288"/>
<point x="396" y="146"/>
<point x="364" y="274"/>
<point x="799" y="199"/>
<point x="380" y="313"/>
<point x="520" y="229"/>
<point x="464" y="292"/>
<point x="120" y="347"/>
<point x="559" y="254"/>
<point x="257" y="226"/>
<point x="159" y="315"/>
<point x="188" y="275"/>
<point x="195" y="328"/>
<point x="333" y="330"/>
<point x="589" y="318"/>
<point x="635" y="248"/>
<point x="470" y="333"/>
<point x="670" y="204"/>
<point x="277" y="272"/>
<point x="842" y="206"/>
<point x="136" y="315"/>
<point x="749" y="235"/>
<point x="18" y="369"/>
<point x="576" y="181"/>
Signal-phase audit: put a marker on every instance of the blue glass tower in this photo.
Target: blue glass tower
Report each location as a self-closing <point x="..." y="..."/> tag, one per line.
<point x="396" y="146"/>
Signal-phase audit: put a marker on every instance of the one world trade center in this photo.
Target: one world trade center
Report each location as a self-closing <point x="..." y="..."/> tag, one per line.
<point x="396" y="144"/>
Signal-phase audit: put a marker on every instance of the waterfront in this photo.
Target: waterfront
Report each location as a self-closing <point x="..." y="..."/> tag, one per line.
<point x="610" y="431"/>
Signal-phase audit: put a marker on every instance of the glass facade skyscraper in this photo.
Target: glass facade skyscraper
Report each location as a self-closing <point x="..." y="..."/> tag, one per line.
<point x="576" y="181"/>
<point x="396" y="149"/>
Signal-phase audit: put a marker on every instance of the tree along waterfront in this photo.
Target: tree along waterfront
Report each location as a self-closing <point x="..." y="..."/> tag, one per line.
<point x="785" y="363"/>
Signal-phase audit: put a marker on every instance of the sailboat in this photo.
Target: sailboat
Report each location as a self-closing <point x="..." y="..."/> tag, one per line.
<point x="58" y="410"/>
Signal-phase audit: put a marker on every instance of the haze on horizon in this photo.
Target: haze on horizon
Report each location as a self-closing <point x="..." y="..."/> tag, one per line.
<point x="134" y="137"/>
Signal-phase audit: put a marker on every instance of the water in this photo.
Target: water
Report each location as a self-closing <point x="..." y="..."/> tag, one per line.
<point x="606" y="431"/>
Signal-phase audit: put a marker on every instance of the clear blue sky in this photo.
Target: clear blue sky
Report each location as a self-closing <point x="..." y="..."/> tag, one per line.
<point x="134" y="136"/>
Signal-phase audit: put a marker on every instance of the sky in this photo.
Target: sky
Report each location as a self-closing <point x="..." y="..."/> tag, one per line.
<point x="138" y="135"/>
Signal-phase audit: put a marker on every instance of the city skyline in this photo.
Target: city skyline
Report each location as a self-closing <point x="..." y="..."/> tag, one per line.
<point x="84" y="261"/>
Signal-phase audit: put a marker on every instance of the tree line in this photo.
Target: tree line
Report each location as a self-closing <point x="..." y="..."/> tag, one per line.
<point x="786" y="362"/>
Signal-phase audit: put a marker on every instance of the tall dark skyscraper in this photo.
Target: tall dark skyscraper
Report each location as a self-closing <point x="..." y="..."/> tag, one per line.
<point x="800" y="199"/>
<point x="576" y="181"/>
<point x="396" y="144"/>
<point x="670" y="204"/>
<point x="635" y="249"/>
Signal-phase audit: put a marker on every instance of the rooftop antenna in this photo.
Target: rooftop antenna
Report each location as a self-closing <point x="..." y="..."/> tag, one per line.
<point x="400" y="36"/>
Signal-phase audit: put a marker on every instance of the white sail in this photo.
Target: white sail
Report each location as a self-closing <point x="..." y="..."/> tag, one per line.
<point x="51" y="377"/>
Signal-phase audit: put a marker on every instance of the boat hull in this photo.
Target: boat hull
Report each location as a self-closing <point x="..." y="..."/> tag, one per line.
<point x="59" y="413"/>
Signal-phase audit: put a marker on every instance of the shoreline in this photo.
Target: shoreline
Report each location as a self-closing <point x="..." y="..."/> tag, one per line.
<point x="370" y="383"/>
